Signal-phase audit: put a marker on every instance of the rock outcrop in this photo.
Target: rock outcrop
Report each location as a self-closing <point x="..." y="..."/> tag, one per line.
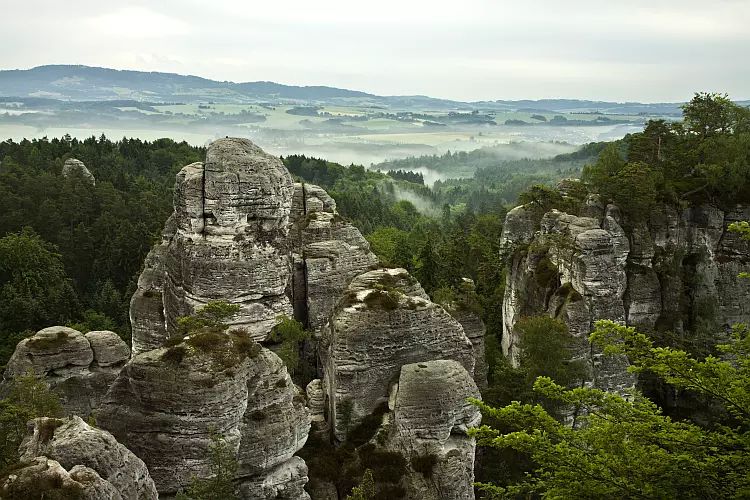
<point x="242" y="232"/>
<point x="188" y="393"/>
<point x="73" y="165"/>
<point x="384" y="321"/>
<point x="92" y="456"/>
<point x="79" y="368"/>
<point x="42" y="477"/>
<point x="678" y="271"/>
<point x="328" y="253"/>
<point x="428" y="426"/>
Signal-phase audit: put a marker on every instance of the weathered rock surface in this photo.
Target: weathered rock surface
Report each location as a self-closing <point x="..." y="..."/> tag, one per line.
<point x="429" y="425"/>
<point x="72" y="165"/>
<point x="79" y="368"/>
<point x="166" y="409"/>
<point x="74" y="445"/>
<point x="475" y="331"/>
<point x="384" y="321"/>
<point x="316" y="400"/>
<point x="286" y="481"/>
<point x="42" y="477"/>
<point x="677" y="272"/>
<point x="242" y="232"/>
<point x="328" y="251"/>
<point x="225" y="241"/>
<point x="147" y="320"/>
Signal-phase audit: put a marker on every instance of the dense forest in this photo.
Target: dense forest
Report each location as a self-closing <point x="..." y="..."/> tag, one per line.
<point x="71" y="249"/>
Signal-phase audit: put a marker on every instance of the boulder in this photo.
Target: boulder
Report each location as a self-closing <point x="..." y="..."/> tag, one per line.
<point x="74" y="445"/>
<point x="42" y="477"/>
<point x="73" y="165"/>
<point x="168" y="404"/>
<point x="79" y="368"/>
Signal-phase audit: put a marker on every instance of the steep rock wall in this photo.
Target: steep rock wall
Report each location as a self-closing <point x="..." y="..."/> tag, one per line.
<point x="678" y="272"/>
<point x="166" y="411"/>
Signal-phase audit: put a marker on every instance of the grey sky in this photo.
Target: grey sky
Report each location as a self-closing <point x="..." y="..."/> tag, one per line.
<point x="647" y="50"/>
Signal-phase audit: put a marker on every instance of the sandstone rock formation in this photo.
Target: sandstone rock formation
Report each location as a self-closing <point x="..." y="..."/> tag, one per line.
<point x="72" y="165"/>
<point x="428" y="425"/>
<point x="242" y="232"/>
<point x="328" y="253"/>
<point x="42" y="477"/>
<point x="92" y="456"/>
<point x="79" y="368"/>
<point x="678" y="271"/>
<point x="186" y="394"/>
<point x="384" y="321"/>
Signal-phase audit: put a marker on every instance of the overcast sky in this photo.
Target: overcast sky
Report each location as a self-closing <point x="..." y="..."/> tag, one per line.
<point x="646" y="50"/>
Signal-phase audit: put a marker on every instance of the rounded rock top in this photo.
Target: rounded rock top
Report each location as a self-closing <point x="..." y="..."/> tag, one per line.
<point x="238" y="189"/>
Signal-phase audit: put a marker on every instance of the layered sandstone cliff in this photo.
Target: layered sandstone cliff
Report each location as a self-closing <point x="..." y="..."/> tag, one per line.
<point x="677" y="271"/>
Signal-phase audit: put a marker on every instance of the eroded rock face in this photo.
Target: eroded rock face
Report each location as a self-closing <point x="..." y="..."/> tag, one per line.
<point x="574" y="269"/>
<point x="79" y="368"/>
<point x="384" y="321"/>
<point x="90" y="454"/>
<point x="225" y="241"/>
<point x="72" y="165"/>
<point x="429" y="422"/>
<point x="677" y="272"/>
<point x="242" y="232"/>
<point x="42" y="477"/>
<point x="186" y="398"/>
<point x="328" y="252"/>
<point x="475" y="331"/>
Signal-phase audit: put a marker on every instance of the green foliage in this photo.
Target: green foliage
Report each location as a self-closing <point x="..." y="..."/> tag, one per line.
<point x="35" y="291"/>
<point x="626" y="448"/>
<point x="290" y="334"/>
<point x="212" y="316"/>
<point x="28" y="398"/>
<point x="223" y="469"/>
<point x="702" y="159"/>
<point x="366" y="488"/>
<point x="86" y="243"/>
<point x="93" y="321"/>
<point x="205" y="332"/>
<point x="743" y="229"/>
<point x="726" y="379"/>
<point x="547" y="350"/>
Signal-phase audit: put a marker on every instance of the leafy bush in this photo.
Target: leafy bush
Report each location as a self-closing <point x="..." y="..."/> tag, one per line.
<point x="223" y="468"/>
<point x="27" y="398"/>
<point x="290" y="334"/>
<point x="627" y="447"/>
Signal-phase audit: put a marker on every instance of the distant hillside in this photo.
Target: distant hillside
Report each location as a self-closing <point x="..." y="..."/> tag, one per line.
<point x="85" y="83"/>
<point x="88" y="83"/>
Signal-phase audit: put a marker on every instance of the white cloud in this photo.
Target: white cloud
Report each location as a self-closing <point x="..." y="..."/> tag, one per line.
<point x="476" y="49"/>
